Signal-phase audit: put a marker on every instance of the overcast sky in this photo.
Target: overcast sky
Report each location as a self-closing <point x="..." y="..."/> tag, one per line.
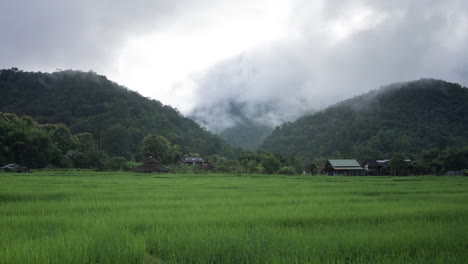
<point x="289" y="56"/>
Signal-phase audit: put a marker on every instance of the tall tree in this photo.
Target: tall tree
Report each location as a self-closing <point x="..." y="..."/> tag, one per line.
<point x="160" y="148"/>
<point x="398" y="164"/>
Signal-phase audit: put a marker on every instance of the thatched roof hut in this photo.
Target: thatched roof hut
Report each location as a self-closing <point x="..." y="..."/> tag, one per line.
<point x="151" y="165"/>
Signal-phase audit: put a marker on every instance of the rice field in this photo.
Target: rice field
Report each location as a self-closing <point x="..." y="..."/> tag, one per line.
<point x="103" y="217"/>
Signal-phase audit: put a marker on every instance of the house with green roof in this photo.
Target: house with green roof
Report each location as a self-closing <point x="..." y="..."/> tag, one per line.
<point x="347" y="167"/>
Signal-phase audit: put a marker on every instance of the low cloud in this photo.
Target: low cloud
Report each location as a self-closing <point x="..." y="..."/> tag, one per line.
<point x="324" y="51"/>
<point x="342" y="49"/>
<point x="87" y="35"/>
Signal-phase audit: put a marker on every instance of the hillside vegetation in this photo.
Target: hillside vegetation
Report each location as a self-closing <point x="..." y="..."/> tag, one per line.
<point x="117" y="118"/>
<point x="245" y="135"/>
<point x="405" y="117"/>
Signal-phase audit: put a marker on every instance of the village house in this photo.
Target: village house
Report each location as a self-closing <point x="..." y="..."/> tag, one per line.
<point x="381" y="167"/>
<point x="13" y="167"/>
<point x="347" y="167"/>
<point x="151" y="165"/>
<point x="376" y="167"/>
<point x="192" y="161"/>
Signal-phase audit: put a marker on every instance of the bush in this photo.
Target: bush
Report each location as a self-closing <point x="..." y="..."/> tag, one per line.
<point x="116" y="163"/>
<point x="286" y="170"/>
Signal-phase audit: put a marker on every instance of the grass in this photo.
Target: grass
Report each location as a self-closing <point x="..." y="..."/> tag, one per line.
<point x="90" y="217"/>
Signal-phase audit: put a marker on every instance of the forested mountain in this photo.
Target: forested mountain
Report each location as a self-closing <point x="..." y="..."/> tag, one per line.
<point x="239" y="124"/>
<point x="117" y="118"/>
<point x="404" y="117"/>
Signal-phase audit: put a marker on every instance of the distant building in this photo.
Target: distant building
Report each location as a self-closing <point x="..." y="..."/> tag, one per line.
<point x="192" y="161"/>
<point x="151" y="165"/>
<point x="376" y="167"/>
<point x="381" y="167"/>
<point x="347" y="167"/>
<point x="13" y="167"/>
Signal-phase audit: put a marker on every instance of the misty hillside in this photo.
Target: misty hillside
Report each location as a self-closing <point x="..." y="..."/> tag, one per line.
<point x="240" y="124"/>
<point x="404" y="117"/>
<point x="117" y="117"/>
<point x="246" y="135"/>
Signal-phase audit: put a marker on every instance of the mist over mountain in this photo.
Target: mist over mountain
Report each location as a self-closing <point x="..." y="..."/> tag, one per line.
<point x="403" y="117"/>
<point x="117" y="117"/>
<point x="244" y="124"/>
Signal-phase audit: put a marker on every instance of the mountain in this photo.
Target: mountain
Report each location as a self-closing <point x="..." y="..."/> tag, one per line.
<point x="246" y="135"/>
<point x="403" y="117"/>
<point x="117" y="117"/>
<point x="241" y="124"/>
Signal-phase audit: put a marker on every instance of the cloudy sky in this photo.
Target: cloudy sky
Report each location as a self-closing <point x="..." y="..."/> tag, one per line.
<point x="275" y="58"/>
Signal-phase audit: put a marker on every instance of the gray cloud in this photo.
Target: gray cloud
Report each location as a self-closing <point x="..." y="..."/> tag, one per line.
<point x="409" y="40"/>
<point x="403" y="40"/>
<point x="86" y="34"/>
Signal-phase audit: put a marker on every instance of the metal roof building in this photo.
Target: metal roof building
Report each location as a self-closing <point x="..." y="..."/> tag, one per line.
<point x="343" y="167"/>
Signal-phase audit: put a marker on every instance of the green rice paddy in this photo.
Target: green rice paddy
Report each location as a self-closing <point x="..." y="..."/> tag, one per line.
<point x="102" y="217"/>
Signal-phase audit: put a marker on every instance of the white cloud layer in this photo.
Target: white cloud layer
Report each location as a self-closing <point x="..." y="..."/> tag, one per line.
<point x="274" y="59"/>
<point x="344" y="48"/>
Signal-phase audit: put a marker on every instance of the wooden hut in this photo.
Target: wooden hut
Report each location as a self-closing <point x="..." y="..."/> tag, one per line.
<point x="151" y="165"/>
<point x="348" y="167"/>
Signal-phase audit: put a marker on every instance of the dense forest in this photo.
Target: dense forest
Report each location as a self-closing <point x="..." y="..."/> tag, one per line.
<point x="410" y="118"/>
<point x="82" y="120"/>
<point x="117" y="118"/>
<point x="26" y="142"/>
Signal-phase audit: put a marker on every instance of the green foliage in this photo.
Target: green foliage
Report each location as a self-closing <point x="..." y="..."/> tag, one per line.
<point x="320" y="162"/>
<point x="25" y="142"/>
<point x="409" y="117"/>
<point x="270" y="164"/>
<point x="116" y="141"/>
<point x="161" y="149"/>
<point x="117" y="118"/>
<point x="398" y="165"/>
<point x="287" y="170"/>
<point x="87" y="153"/>
<point x="117" y="163"/>
<point x="246" y="135"/>
<point x="62" y="136"/>
<point x="313" y="168"/>
<point x="435" y="161"/>
<point x="298" y="163"/>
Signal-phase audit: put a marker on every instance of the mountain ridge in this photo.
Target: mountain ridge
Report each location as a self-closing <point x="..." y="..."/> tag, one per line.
<point x="402" y="117"/>
<point x="88" y="102"/>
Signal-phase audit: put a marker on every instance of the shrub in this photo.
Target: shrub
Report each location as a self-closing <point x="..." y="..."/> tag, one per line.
<point x="286" y="170"/>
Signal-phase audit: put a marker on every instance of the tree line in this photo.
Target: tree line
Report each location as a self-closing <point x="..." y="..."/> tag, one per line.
<point x="117" y="118"/>
<point x="26" y="142"/>
<point x="411" y="118"/>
